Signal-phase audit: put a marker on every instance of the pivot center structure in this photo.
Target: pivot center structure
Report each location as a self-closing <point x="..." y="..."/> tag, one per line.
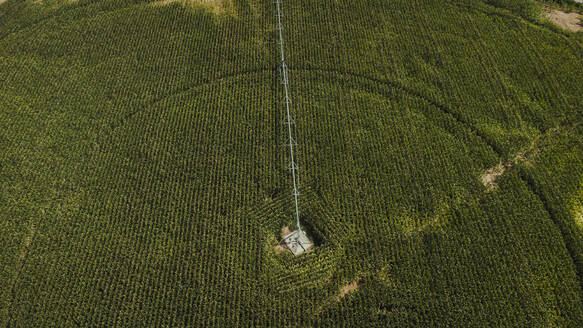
<point x="297" y="241"/>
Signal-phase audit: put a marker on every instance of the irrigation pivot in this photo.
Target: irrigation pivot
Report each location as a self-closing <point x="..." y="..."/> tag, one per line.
<point x="297" y="241"/>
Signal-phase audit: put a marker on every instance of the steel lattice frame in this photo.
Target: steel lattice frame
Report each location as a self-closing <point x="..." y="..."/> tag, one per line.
<point x="288" y="120"/>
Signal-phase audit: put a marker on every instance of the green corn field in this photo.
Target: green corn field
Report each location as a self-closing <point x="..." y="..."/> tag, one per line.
<point x="143" y="182"/>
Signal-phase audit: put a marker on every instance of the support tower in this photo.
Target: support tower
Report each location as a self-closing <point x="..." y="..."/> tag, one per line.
<point x="296" y="241"/>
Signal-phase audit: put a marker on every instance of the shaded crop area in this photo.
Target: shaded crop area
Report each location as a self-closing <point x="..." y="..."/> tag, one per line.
<point x="143" y="180"/>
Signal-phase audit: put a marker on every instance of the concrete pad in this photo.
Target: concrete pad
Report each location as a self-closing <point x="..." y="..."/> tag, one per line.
<point x="297" y="243"/>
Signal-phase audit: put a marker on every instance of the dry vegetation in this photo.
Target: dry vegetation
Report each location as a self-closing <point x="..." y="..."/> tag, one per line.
<point x="570" y="21"/>
<point x="150" y="131"/>
<point x="577" y="207"/>
<point x="491" y="176"/>
<point x="579" y="217"/>
<point x="526" y="156"/>
<point x="280" y="247"/>
<point x="347" y="289"/>
<point x="216" y="6"/>
<point x="433" y="222"/>
<point x="344" y="290"/>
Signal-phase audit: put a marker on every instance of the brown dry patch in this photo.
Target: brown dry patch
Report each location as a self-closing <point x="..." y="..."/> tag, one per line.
<point x="577" y="207"/>
<point x="570" y="21"/>
<point x="344" y="290"/>
<point x="347" y="289"/>
<point x="491" y="176"/>
<point x="216" y="6"/>
<point x="285" y="231"/>
<point x="280" y="247"/>
<point x="528" y="156"/>
<point x="2" y="1"/>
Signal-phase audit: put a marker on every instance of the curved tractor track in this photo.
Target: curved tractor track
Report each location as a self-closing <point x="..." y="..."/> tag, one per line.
<point x="354" y="75"/>
<point x="392" y="85"/>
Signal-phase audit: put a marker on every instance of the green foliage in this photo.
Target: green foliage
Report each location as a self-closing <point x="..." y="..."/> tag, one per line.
<point x="563" y="3"/>
<point x="557" y="177"/>
<point x="525" y="8"/>
<point x="143" y="182"/>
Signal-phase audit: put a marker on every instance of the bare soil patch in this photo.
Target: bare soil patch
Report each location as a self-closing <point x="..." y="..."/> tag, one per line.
<point x="285" y="231"/>
<point x="344" y="290"/>
<point x="570" y="21"/>
<point x="280" y="247"/>
<point x="347" y="289"/>
<point x="528" y="156"/>
<point x="490" y="177"/>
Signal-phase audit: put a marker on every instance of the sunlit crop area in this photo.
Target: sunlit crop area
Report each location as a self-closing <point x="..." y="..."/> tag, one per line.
<point x="143" y="180"/>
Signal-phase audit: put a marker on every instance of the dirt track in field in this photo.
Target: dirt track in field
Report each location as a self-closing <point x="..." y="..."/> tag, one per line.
<point x="347" y="289"/>
<point x="490" y="177"/>
<point x="570" y="21"/>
